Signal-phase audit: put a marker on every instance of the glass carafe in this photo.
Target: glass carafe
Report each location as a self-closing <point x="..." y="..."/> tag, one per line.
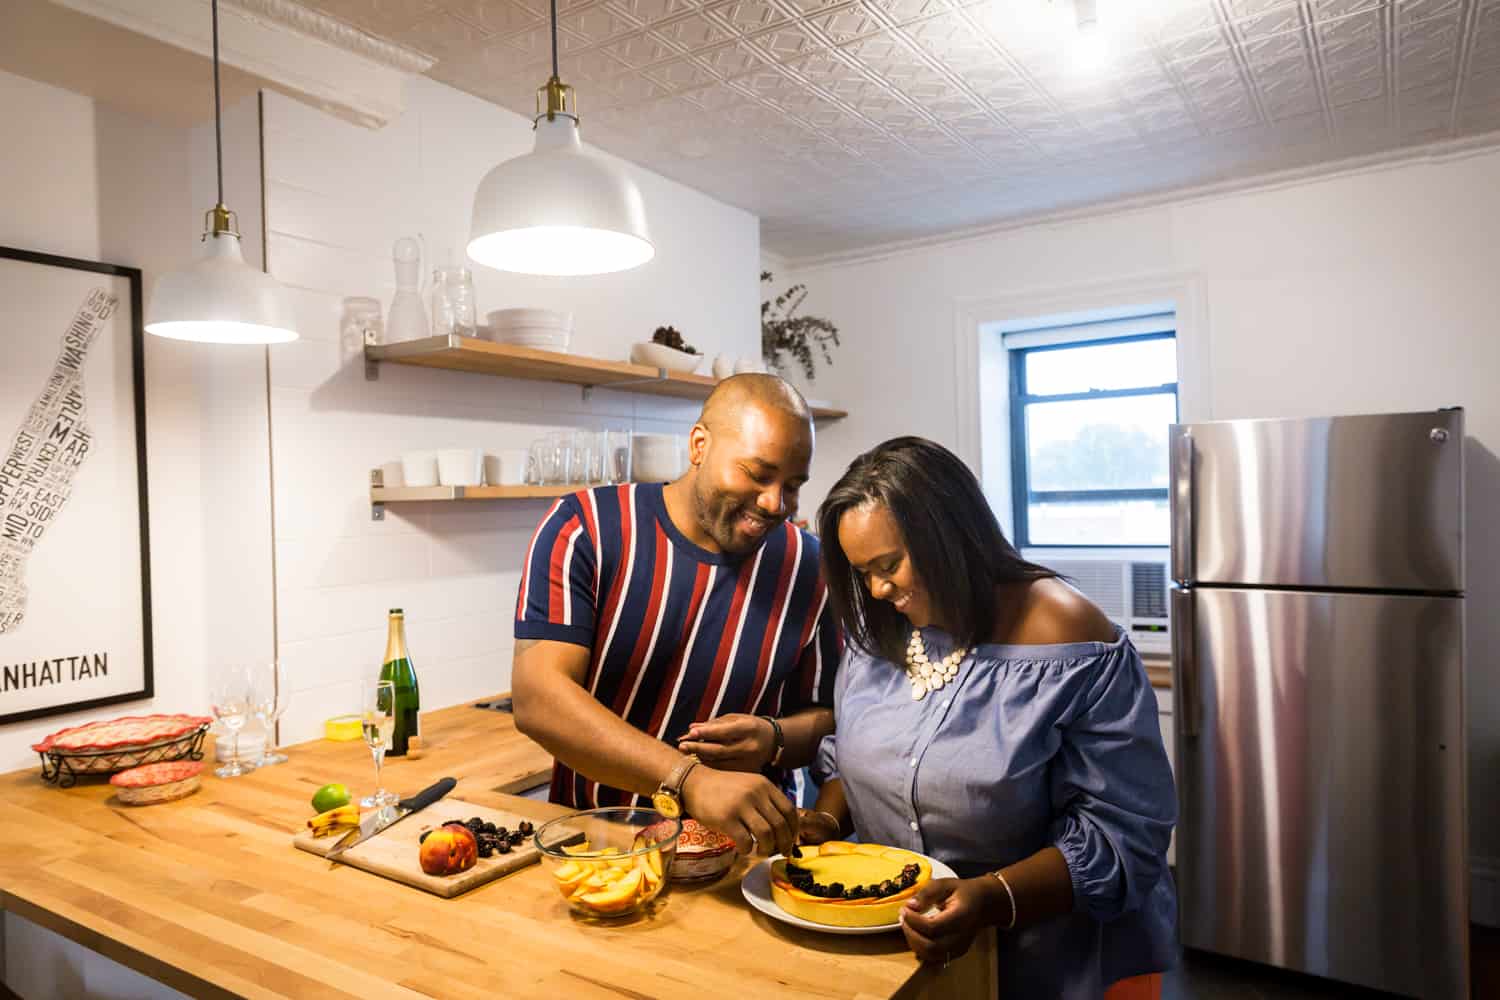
<point x="407" y="319"/>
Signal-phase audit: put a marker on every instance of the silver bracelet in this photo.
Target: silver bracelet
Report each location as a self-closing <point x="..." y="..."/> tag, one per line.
<point x="1011" y="896"/>
<point x="831" y="818"/>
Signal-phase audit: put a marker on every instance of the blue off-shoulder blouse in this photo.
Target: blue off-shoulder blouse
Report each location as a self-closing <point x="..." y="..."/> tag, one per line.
<point x="1029" y="746"/>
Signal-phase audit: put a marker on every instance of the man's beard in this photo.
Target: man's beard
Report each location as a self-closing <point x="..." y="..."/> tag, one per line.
<point x="717" y="515"/>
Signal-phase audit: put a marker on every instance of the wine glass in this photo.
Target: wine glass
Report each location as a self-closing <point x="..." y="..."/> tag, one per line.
<point x="378" y="714"/>
<point x="231" y="695"/>
<point x="271" y="686"/>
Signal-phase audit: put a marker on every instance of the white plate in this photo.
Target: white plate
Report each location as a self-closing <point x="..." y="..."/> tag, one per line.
<point x="756" y="888"/>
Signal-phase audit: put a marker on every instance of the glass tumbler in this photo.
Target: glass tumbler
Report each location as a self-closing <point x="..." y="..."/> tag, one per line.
<point x="581" y="459"/>
<point x="616" y="455"/>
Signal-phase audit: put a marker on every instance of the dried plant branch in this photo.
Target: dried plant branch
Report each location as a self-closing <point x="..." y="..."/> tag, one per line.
<point x="786" y="337"/>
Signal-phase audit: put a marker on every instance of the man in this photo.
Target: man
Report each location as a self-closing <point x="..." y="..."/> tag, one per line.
<point x="657" y="626"/>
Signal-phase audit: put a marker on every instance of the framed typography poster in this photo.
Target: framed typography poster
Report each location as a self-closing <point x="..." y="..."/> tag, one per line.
<point x="75" y="576"/>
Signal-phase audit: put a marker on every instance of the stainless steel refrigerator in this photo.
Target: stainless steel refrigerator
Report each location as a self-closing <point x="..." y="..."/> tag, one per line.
<point x="1317" y="621"/>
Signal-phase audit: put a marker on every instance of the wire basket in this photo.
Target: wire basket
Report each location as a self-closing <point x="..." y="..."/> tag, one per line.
<point x="63" y="768"/>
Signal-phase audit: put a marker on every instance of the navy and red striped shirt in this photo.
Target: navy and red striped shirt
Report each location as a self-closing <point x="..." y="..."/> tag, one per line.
<point x="677" y="634"/>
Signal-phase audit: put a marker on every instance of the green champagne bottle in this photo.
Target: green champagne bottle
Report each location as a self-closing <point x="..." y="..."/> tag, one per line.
<point x="398" y="668"/>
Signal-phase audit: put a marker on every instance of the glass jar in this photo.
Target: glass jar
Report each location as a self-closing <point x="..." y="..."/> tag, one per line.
<point x="453" y="302"/>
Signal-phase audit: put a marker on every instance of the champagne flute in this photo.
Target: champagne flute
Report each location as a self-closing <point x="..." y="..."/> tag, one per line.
<point x="378" y="712"/>
<point x="270" y="706"/>
<point x="230" y="696"/>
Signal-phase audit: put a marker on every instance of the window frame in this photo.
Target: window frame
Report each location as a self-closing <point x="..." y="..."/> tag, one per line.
<point x="1022" y="495"/>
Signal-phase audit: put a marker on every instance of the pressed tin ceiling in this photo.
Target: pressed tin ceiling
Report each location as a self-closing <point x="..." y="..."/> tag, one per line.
<point x="863" y="122"/>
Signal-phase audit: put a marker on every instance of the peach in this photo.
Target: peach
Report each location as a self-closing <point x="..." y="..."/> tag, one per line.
<point x="448" y="850"/>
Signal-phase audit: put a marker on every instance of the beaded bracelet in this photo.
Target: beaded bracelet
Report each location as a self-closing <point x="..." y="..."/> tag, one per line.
<point x="779" y="739"/>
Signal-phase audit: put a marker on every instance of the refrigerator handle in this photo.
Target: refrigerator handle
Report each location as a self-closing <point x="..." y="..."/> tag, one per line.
<point x="1185" y="661"/>
<point x="1181" y="502"/>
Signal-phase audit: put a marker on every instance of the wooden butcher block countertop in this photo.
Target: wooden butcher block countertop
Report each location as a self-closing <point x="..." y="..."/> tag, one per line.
<point x="208" y="895"/>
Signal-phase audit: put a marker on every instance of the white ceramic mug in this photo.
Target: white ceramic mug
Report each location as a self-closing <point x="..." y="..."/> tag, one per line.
<point x="723" y="366"/>
<point x="507" y="468"/>
<point x="419" y="468"/>
<point x="460" y="466"/>
<point x="391" y="474"/>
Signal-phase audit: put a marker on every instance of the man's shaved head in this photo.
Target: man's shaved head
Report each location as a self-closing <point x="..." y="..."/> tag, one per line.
<point x="725" y="407"/>
<point x="750" y="452"/>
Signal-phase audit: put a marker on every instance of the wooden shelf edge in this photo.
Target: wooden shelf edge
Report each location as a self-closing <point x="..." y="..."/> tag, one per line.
<point x="409" y="494"/>
<point x="485" y="357"/>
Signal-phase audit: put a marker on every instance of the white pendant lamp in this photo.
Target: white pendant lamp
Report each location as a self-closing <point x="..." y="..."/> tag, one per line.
<point x="219" y="299"/>
<point x="559" y="210"/>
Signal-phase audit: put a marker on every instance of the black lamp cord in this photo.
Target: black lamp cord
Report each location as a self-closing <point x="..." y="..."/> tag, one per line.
<point x="218" y="129"/>
<point x="554" y="39"/>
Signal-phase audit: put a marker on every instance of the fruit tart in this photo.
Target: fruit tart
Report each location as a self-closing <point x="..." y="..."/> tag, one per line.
<point x="848" y="885"/>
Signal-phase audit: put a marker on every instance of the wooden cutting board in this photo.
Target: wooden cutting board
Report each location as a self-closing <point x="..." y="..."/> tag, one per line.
<point x="393" y="853"/>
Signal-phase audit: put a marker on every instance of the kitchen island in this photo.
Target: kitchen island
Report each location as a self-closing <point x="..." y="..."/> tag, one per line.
<point x="207" y="895"/>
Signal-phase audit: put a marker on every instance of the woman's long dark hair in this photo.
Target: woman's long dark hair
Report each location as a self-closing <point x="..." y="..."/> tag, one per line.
<point x="952" y="538"/>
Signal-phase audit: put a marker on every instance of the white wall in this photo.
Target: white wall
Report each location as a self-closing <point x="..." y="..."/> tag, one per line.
<point x="84" y="181"/>
<point x="337" y="197"/>
<point x="1369" y="292"/>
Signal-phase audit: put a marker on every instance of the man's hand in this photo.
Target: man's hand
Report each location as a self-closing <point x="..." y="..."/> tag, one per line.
<point x="744" y="807"/>
<point x="736" y="742"/>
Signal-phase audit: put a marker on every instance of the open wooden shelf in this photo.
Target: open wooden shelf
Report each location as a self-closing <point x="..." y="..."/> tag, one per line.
<point x="401" y="494"/>
<point x="470" y="354"/>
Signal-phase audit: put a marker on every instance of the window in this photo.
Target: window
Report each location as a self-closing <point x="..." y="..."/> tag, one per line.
<point x="1089" y="440"/>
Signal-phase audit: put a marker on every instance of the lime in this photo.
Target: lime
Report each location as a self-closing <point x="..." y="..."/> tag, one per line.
<point x="330" y="797"/>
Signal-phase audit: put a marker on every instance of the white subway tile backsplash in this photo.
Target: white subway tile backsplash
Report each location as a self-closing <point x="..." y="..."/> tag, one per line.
<point x="308" y="363"/>
<point x="349" y="657"/>
<point x="308" y="709"/>
<point x="318" y="315"/>
<point x="337" y="218"/>
<point x="316" y="562"/>
<point x="319" y="267"/>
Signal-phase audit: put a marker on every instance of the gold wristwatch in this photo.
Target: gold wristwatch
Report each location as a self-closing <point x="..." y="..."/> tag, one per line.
<point x="668" y="795"/>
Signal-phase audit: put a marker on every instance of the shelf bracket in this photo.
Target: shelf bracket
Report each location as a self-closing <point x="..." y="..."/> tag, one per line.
<point x="372" y="367"/>
<point x="661" y="376"/>
<point x="377" y="478"/>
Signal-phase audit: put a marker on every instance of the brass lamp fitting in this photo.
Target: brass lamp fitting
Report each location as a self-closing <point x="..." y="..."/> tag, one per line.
<point x="559" y="99"/>
<point x="220" y="221"/>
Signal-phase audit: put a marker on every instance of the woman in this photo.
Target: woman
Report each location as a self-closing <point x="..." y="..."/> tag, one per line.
<point x="990" y="716"/>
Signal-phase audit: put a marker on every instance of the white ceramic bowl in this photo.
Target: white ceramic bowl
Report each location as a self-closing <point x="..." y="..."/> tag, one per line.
<point x="654" y="355"/>
<point x="550" y="319"/>
<point x="542" y="338"/>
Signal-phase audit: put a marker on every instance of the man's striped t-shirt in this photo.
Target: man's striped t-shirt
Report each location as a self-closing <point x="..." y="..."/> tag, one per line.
<point x="677" y="634"/>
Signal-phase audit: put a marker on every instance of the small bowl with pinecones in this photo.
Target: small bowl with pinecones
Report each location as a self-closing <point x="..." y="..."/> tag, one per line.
<point x="668" y="350"/>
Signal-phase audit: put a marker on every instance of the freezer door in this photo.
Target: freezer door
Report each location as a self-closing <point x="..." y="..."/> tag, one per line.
<point x="1367" y="502"/>
<point x="1320" y="776"/>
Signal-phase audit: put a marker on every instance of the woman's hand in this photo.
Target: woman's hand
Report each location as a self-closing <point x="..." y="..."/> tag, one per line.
<point x="736" y="742"/>
<point x="964" y="907"/>
<point x="816" y="827"/>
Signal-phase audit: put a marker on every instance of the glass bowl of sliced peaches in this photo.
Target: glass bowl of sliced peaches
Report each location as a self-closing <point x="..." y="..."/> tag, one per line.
<point x="609" y="863"/>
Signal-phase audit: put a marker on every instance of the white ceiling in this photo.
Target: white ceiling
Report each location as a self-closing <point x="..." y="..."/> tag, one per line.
<point x="862" y="122"/>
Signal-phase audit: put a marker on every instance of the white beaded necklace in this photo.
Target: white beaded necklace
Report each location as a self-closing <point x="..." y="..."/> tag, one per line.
<point x="927" y="676"/>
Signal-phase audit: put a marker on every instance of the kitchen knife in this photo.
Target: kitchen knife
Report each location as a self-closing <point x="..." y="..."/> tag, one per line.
<point x="381" y="820"/>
